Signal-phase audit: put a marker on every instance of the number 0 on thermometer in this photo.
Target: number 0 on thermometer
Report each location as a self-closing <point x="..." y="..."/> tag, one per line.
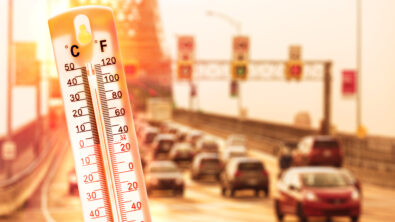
<point x="99" y="117"/>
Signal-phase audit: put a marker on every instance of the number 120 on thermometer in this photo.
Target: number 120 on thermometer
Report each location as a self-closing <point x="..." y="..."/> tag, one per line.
<point x="99" y="117"/>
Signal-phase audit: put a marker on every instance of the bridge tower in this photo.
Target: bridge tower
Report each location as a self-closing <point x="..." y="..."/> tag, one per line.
<point x="140" y="34"/>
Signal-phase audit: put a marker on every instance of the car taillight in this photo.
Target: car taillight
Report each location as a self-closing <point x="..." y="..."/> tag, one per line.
<point x="264" y="173"/>
<point x="314" y="152"/>
<point x="238" y="173"/>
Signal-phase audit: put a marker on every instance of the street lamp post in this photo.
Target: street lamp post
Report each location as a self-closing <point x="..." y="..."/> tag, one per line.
<point x="237" y="25"/>
<point x="361" y="131"/>
<point x="10" y="82"/>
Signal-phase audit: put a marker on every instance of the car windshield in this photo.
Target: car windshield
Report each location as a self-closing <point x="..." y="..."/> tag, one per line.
<point x="250" y="166"/>
<point x="210" y="161"/>
<point x="325" y="180"/>
<point x="165" y="144"/>
<point x="326" y="144"/>
<point x="164" y="169"/>
<point x="150" y="137"/>
<point x="237" y="154"/>
<point x="210" y="146"/>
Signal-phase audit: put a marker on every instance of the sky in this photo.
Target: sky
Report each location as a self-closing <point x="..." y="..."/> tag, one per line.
<point x="324" y="29"/>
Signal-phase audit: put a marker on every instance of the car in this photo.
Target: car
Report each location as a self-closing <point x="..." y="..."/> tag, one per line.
<point x="162" y="145"/>
<point x="181" y="134"/>
<point x="318" y="151"/>
<point x="235" y="140"/>
<point x="148" y="135"/>
<point x="317" y="192"/>
<point x="232" y="152"/>
<point x="206" y="164"/>
<point x="182" y="152"/>
<point x="243" y="173"/>
<point x="194" y="136"/>
<point x="73" y="183"/>
<point x="284" y="154"/>
<point x="207" y="145"/>
<point x="164" y="175"/>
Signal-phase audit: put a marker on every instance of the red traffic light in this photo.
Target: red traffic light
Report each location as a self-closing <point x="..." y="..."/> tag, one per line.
<point x="130" y="69"/>
<point x="295" y="70"/>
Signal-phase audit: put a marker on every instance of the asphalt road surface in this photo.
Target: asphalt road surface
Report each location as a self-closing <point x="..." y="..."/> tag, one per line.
<point x="202" y="201"/>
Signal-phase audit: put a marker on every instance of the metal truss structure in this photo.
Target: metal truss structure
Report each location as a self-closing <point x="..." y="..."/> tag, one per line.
<point x="259" y="70"/>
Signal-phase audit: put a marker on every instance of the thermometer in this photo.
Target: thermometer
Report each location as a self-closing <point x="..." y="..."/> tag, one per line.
<point x="99" y="118"/>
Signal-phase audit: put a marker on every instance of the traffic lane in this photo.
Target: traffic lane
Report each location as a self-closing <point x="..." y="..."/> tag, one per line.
<point x="202" y="201"/>
<point x="61" y="205"/>
<point x="377" y="202"/>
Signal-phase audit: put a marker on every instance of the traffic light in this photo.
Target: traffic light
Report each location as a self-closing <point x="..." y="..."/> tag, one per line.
<point x="130" y="69"/>
<point x="193" y="91"/>
<point x="184" y="70"/>
<point x="239" y="66"/>
<point x="186" y="57"/>
<point x="234" y="88"/>
<point x="294" y="70"/>
<point x="239" y="70"/>
<point x="294" y="66"/>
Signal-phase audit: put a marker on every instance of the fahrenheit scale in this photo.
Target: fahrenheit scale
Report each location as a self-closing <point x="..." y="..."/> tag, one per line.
<point x="99" y="117"/>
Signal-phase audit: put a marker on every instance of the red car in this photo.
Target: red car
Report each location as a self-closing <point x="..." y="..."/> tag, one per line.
<point x="73" y="184"/>
<point x="317" y="192"/>
<point x="318" y="151"/>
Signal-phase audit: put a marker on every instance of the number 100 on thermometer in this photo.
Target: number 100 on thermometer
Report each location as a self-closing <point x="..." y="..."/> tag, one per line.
<point x="99" y="117"/>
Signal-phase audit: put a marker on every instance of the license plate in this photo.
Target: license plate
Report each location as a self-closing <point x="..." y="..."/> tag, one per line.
<point x="252" y="182"/>
<point x="327" y="153"/>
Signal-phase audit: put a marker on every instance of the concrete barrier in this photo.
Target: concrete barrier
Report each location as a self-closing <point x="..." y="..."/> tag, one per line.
<point x="15" y="191"/>
<point x="371" y="159"/>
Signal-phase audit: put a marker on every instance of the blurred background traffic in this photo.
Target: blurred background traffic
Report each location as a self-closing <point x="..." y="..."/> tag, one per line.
<point x="244" y="110"/>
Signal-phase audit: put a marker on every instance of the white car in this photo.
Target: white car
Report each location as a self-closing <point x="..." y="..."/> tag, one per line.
<point x="232" y="152"/>
<point x="236" y="140"/>
<point x="162" y="145"/>
<point x="207" y="145"/>
<point x="206" y="164"/>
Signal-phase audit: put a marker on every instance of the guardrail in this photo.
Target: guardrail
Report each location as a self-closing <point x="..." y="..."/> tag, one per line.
<point x="15" y="191"/>
<point x="371" y="159"/>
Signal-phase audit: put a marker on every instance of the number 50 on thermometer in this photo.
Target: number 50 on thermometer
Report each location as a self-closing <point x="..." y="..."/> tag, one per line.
<point x="99" y="117"/>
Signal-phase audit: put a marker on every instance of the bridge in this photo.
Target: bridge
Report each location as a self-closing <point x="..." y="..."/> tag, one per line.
<point x="220" y="97"/>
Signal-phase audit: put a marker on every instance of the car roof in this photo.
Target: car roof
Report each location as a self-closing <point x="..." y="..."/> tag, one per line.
<point x="182" y="146"/>
<point x="316" y="169"/>
<point x="322" y="137"/>
<point x="150" y="129"/>
<point x="245" y="159"/>
<point x="162" y="163"/>
<point x="235" y="148"/>
<point x="165" y="137"/>
<point x="207" y="156"/>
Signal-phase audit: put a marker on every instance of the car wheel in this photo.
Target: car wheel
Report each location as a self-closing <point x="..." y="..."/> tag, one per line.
<point x="279" y="214"/>
<point x="355" y="219"/>
<point x="266" y="190"/>
<point x="257" y="192"/>
<point x="223" y="191"/>
<point x="232" y="192"/>
<point x="301" y="216"/>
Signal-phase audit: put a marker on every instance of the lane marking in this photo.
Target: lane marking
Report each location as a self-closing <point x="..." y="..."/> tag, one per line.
<point x="45" y="189"/>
